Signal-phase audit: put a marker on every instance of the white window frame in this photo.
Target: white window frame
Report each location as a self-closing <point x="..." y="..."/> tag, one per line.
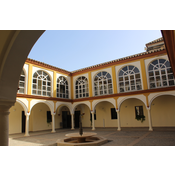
<point x="45" y="80"/>
<point x="130" y="80"/>
<point x="22" y="82"/>
<point x="102" y="83"/>
<point x="160" y="75"/>
<point x="81" y="87"/>
<point x="62" y="82"/>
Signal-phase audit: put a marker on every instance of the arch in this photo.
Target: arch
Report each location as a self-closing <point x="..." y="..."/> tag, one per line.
<point x="23" y="105"/>
<point x="105" y="100"/>
<point x="119" y="105"/>
<point x="102" y="83"/>
<point x="42" y="83"/>
<point x="61" y="106"/>
<point x="45" y="102"/>
<point x="129" y="78"/>
<point x="73" y="109"/>
<point x="13" y="59"/>
<point x="158" y="95"/>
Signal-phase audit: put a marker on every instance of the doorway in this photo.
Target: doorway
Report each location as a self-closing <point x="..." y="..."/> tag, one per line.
<point x="23" y="122"/>
<point x="77" y="118"/>
<point x="66" y="119"/>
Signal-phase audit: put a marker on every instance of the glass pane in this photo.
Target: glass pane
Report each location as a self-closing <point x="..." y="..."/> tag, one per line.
<point x="34" y="80"/>
<point x="34" y="86"/>
<point x="138" y="81"/>
<point x="126" y="78"/>
<point x="167" y="64"/>
<point x="39" y="84"/>
<point x="162" y="60"/>
<point x="122" y="89"/>
<point x="44" y="87"/>
<point x="157" y="78"/>
<point x="137" y="75"/>
<point x="163" y="71"/>
<point x="136" y="70"/>
<point x="39" y="92"/>
<point x="170" y="76"/>
<point x="132" y="87"/>
<point x="131" y="67"/>
<point x="151" y="79"/>
<point x="120" y="78"/>
<point x="22" y="78"/>
<point x="171" y="83"/>
<point x="44" y="93"/>
<point x="158" y="84"/>
<point x="152" y="85"/>
<point x="121" y="84"/>
<point x="169" y="70"/>
<point x="33" y="92"/>
<point x="151" y="74"/>
<point x="125" y="68"/>
<point x="121" y="73"/>
<point x="132" y="82"/>
<point x="155" y="62"/>
<point x="157" y="72"/>
<point x="21" y="90"/>
<point x="48" y="83"/>
<point x="131" y="77"/>
<point x="127" y="83"/>
<point x="164" y="83"/>
<point x="150" y="67"/>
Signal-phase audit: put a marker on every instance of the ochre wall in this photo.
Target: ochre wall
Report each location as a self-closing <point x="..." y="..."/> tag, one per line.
<point x="163" y="111"/>
<point x="127" y="114"/>
<point x="103" y="115"/>
<point x="38" y="119"/>
<point x="15" y="119"/>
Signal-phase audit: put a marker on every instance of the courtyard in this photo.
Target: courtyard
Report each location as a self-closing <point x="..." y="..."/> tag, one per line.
<point x="125" y="137"/>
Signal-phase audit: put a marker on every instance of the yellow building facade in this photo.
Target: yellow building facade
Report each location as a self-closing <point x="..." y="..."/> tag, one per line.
<point x="135" y="91"/>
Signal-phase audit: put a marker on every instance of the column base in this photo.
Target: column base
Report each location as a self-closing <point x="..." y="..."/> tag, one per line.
<point x="119" y="129"/>
<point x="72" y="128"/>
<point x="26" y="135"/>
<point x="150" y="129"/>
<point x="53" y="131"/>
<point x="93" y="129"/>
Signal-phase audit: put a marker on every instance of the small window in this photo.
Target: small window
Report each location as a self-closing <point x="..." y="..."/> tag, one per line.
<point x="113" y="113"/>
<point x="49" y="117"/>
<point x="139" y="110"/>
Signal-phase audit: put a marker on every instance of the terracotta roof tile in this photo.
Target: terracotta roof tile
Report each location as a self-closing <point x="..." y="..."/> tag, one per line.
<point x="155" y="41"/>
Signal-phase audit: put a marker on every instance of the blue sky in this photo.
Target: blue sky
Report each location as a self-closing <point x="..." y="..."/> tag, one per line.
<point x="76" y="49"/>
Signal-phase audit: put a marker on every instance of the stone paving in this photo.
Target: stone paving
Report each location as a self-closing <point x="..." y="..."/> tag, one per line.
<point x="125" y="137"/>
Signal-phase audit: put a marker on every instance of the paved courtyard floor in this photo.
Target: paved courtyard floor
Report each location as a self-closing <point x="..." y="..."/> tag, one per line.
<point x="125" y="137"/>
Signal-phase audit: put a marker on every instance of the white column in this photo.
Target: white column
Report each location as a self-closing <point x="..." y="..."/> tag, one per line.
<point x="72" y="120"/>
<point x="4" y="122"/>
<point x="93" y="123"/>
<point x="27" y="125"/>
<point x="149" y="119"/>
<point x="53" y="122"/>
<point x="118" y="118"/>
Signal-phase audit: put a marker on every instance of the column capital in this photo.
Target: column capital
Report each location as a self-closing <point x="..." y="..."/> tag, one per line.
<point x="148" y="108"/>
<point x="92" y="112"/>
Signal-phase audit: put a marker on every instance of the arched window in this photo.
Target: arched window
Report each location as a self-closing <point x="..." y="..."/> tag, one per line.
<point x="41" y="84"/>
<point x="160" y="74"/>
<point x="22" y="83"/>
<point x="103" y="84"/>
<point x="62" y="87"/>
<point x="129" y="79"/>
<point x="81" y="87"/>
